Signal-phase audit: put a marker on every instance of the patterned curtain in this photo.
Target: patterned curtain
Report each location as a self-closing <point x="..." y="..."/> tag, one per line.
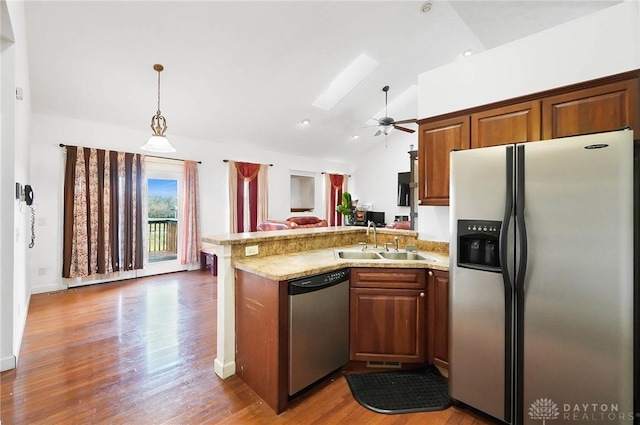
<point x="190" y="253"/>
<point x="248" y="195"/>
<point x="336" y="185"/>
<point x="102" y="212"/>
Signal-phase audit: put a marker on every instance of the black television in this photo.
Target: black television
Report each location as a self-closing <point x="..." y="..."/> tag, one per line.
<point x="404" y="189"/>
<point x="376" y="216"/>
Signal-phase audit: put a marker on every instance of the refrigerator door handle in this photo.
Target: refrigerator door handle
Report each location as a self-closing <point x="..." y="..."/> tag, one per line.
<point x="503" y="243"/>
<point x="520" y="222"/>
<point x="521" y="267"/>
<point x="503" y="253"/>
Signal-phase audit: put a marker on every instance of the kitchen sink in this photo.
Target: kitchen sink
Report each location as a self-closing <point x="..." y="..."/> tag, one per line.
<point x="382" y="255"/>
<point x="405" y="256"/>
<point x="358" y="255"/>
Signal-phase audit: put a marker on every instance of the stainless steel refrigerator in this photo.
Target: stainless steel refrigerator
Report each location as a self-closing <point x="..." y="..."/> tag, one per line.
<point x="544" y="280"/>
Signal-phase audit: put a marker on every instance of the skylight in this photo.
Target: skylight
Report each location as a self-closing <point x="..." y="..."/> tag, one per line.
<point x="346" y="81"/>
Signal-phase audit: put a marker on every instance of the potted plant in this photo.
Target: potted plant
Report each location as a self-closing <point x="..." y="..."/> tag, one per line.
<point x="347" y="208"/>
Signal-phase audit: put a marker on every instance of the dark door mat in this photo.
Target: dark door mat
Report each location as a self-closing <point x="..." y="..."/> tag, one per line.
<point x="401" y="391"/>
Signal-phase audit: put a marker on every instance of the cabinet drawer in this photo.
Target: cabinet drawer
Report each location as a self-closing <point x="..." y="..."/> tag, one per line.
<point x="388" y="278"/>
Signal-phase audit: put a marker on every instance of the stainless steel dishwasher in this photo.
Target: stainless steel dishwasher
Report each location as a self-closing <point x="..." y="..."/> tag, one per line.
<point x="318" y="327"/>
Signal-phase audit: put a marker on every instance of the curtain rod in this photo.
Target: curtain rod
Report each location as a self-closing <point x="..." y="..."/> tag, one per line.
<point x="62" y="145"/>
<point x="227" y="160"/>
<point x="325" y="172"/>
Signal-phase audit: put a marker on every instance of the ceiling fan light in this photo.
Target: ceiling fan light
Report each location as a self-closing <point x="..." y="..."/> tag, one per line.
<point x="386" y="129"/>
<point x="158" y="144"/>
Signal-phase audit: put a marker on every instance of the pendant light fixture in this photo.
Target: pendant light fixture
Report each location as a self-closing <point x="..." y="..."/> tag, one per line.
<point x="158" y="142"/>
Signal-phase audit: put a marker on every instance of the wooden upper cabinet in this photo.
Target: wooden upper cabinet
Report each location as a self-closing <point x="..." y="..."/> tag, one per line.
<point x="604" y="104"/>
<point x="508" y="124"/>
<point x="590" y="110"/>
<point x="435" y="141"/>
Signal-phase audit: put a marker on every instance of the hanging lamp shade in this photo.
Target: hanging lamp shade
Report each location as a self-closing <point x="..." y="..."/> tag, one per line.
<point x="158" y="142"/>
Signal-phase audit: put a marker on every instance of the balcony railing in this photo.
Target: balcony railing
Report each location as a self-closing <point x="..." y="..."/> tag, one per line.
<point x="162" y="239"/>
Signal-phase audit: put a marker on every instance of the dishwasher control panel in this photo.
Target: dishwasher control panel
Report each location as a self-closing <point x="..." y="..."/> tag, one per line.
<point x="317" y="281"/>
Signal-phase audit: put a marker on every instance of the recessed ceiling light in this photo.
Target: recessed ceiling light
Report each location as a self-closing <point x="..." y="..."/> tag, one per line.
<point x="305" y="121"/>
<point x="467" y="53"/>
<point x="355" y="136"/>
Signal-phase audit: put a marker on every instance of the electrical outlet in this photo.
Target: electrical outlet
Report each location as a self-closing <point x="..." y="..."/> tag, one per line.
<point x="42" y="271"/>
<point x="251" y="250"/>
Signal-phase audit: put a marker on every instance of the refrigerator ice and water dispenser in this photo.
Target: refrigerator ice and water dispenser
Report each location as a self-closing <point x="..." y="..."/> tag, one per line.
<point x="478" y="244"/>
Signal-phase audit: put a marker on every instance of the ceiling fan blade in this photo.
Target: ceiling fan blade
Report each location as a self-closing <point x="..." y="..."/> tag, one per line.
<point x="405" y="121"/>
<point x="379" y="132"/>
<point x="407" y="130"/>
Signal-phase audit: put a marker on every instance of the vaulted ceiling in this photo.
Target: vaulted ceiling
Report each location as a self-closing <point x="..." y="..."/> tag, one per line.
<point x="248" y="73"/>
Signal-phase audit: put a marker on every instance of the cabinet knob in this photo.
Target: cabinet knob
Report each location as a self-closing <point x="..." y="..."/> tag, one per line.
<point x="430" y="273"/>
<point x="421" y="294"/>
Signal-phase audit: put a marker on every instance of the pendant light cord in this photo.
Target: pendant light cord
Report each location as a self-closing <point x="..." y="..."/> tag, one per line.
<point x="159" y="93"/>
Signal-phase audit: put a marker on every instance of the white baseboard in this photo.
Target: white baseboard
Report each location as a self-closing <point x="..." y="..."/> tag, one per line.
<point x="47" y="288"/>
<point x="224" y="370"/>
<point x="7" y="363"/>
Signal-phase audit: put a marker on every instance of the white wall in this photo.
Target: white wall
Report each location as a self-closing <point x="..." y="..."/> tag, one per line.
<point x="15" y="168"/>
<point x="375" y="173"/>
<point x="603" y="43"/>
<point x="47" y="162"/>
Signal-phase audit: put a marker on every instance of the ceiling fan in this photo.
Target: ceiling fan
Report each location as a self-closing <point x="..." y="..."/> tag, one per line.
<point x="386" y="123"/>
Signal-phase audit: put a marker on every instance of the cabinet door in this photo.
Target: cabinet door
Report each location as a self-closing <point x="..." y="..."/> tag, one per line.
<point x="603" y="108"/>
<point x="387" y="325"/>
<point x="509" y="124"/>
<point x="436" y="140"/>
<point x="438" y="318"/>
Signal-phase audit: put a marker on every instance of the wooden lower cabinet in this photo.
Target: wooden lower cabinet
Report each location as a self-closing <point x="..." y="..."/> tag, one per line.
<point x="387" y="317"/>
<point x="396" y="315"/>
<point x="262" y="337"/>
<point x="438" y="318"/>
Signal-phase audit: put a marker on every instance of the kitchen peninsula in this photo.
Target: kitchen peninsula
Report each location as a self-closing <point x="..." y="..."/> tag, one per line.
<point x="287" y="254"/>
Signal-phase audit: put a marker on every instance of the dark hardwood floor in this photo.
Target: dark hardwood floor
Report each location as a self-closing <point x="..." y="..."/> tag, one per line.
<point x="141" y="352"/>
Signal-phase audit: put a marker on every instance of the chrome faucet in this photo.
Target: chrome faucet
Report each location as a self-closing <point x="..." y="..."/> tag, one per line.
<point x="395" y="243"/>
<point x="375" y="234"/>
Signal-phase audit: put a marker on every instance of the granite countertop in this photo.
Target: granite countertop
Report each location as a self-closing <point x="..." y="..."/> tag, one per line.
<point x="253" y="237"/>
<point x="291" y="266"/>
